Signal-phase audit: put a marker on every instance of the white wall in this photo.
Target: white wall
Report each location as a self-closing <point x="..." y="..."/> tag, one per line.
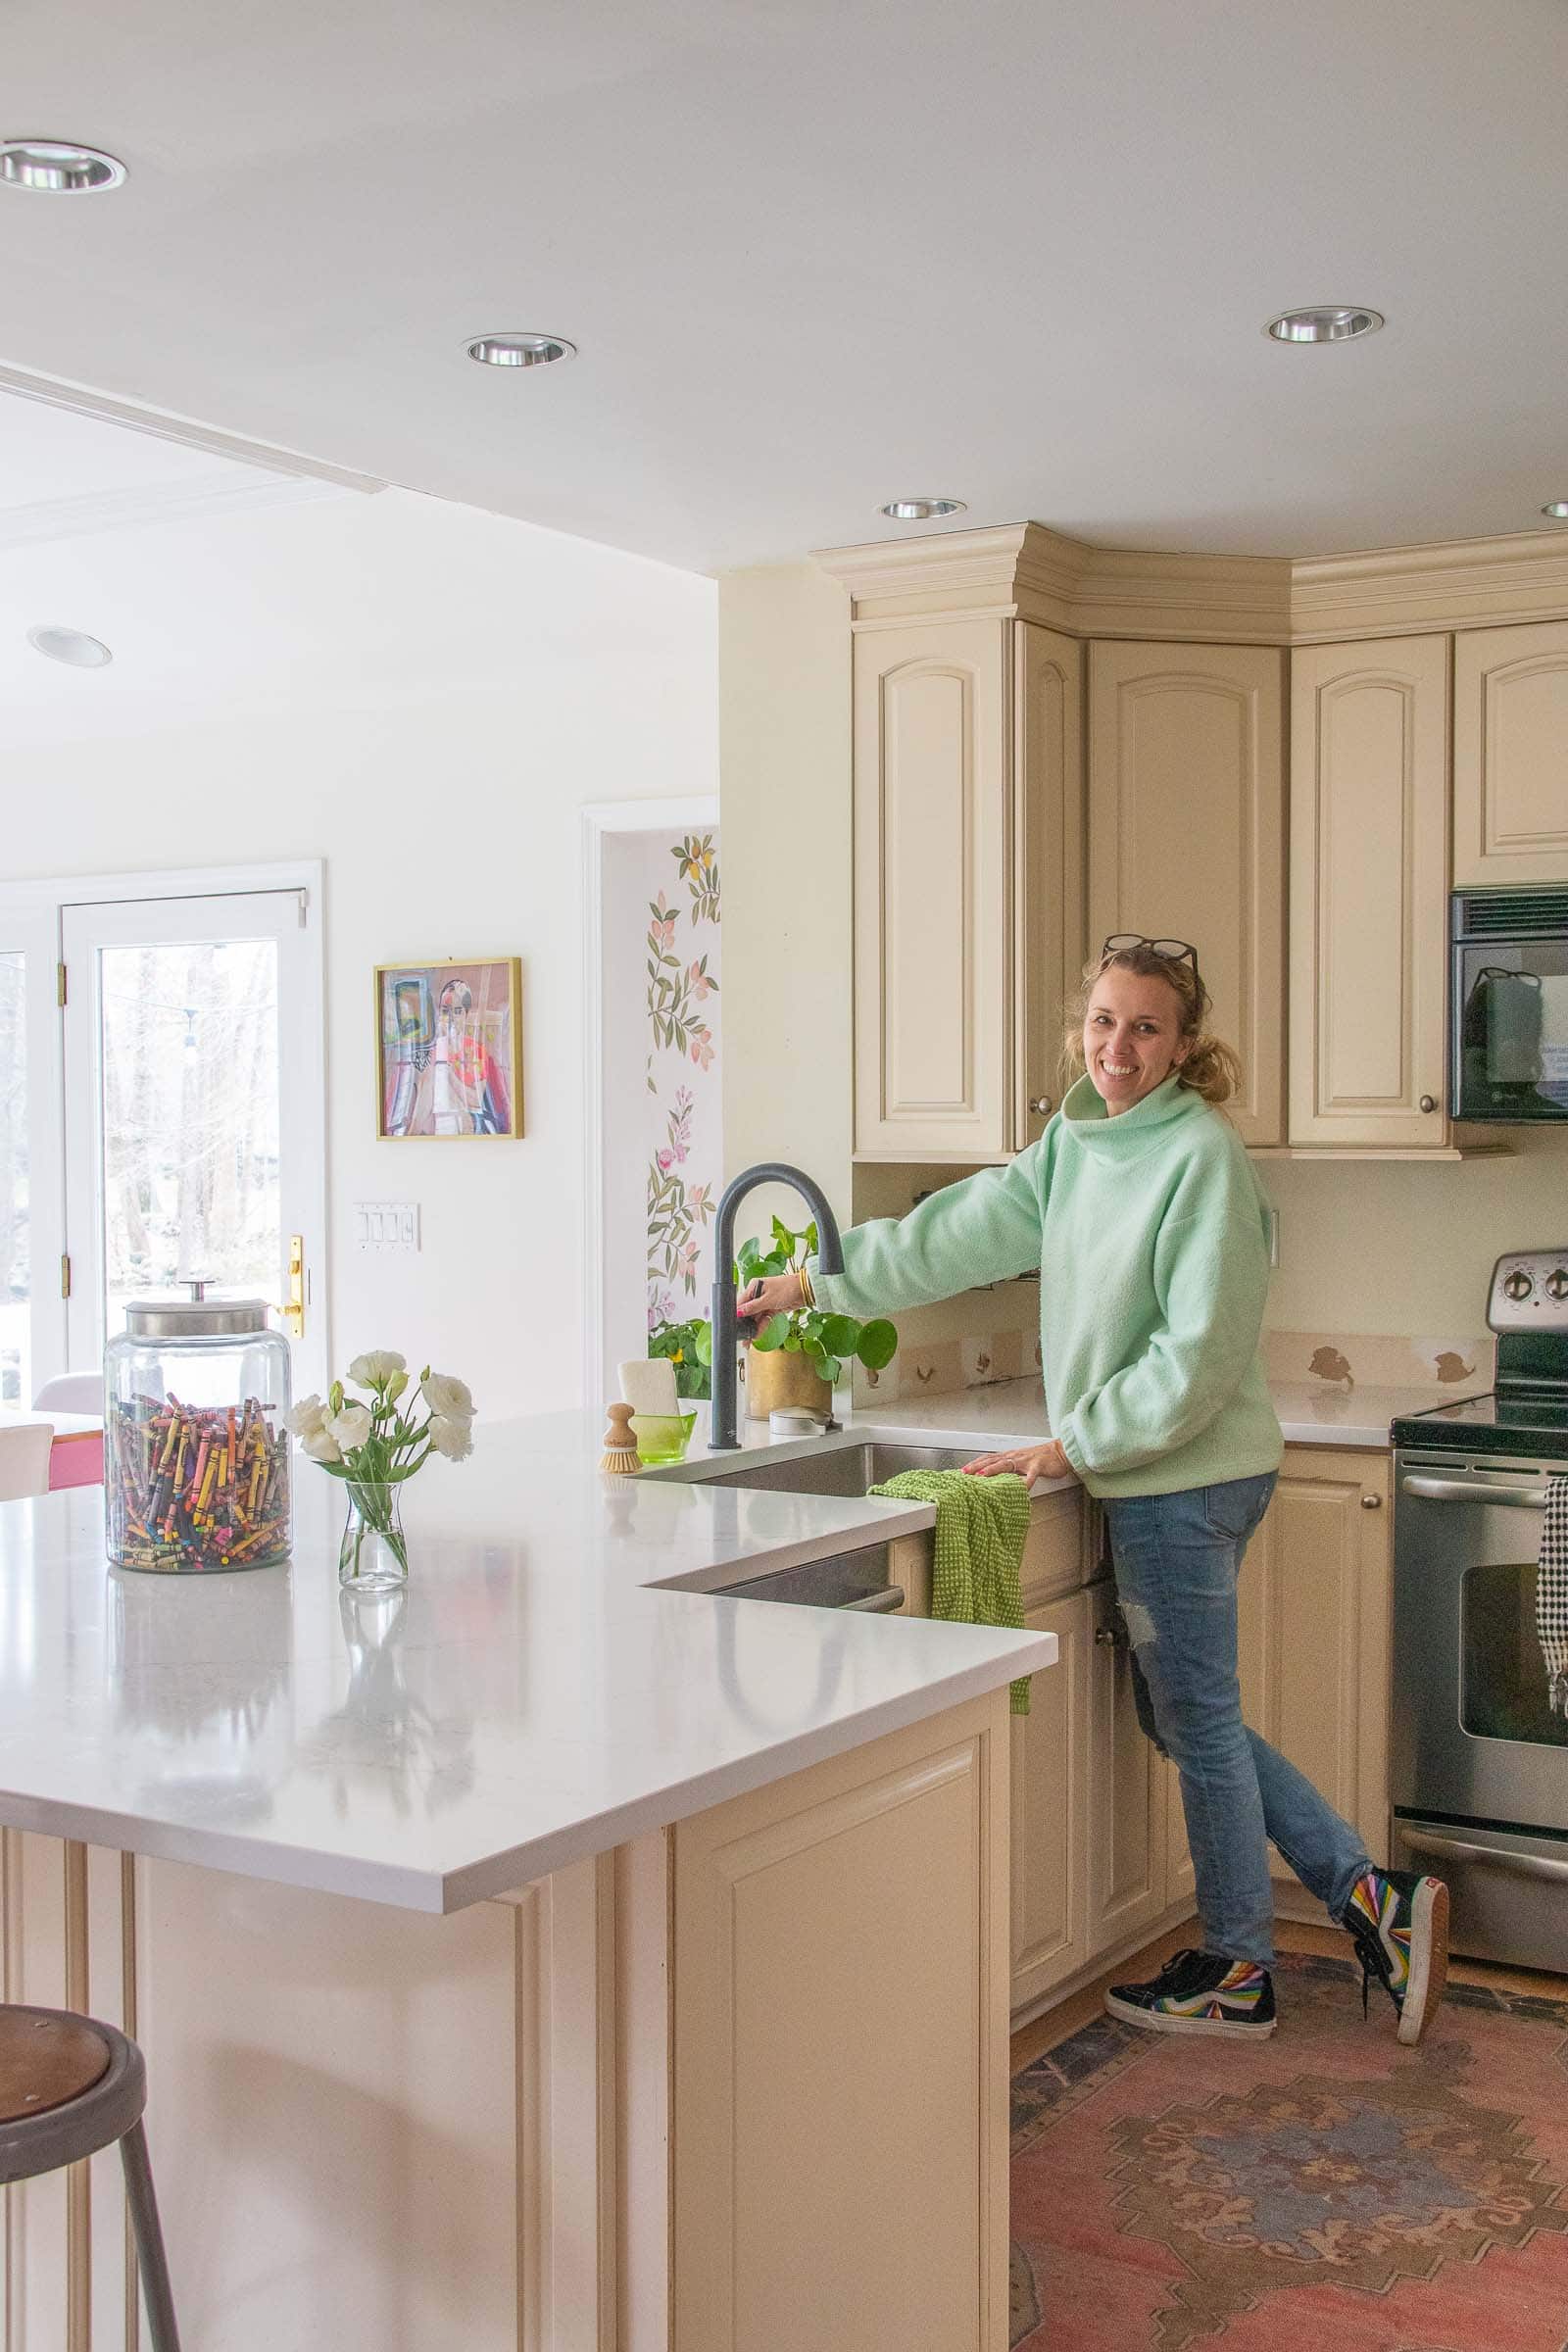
<point x="423" y="696"/>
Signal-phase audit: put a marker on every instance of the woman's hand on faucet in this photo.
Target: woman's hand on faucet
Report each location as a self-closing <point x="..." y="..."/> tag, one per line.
<point x="770" y="1295"/>
<point x="1028" y="1462"/>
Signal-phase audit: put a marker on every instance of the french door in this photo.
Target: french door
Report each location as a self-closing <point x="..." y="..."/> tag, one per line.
<point x="194" y="1114"/>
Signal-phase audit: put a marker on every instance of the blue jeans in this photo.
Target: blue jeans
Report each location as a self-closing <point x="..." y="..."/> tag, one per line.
<point x="1177" y="1558"/>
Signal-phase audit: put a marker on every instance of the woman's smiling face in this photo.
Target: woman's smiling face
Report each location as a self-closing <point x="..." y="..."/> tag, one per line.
<point x="1132" y="1035"/>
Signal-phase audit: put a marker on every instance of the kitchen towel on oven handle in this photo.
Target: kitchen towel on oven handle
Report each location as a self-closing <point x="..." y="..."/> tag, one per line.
<point x="1551" y="1594"/>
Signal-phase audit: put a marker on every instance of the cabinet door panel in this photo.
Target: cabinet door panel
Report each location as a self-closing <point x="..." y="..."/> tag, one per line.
<point x="1051" y="1809"/>
<point x="1186" y="833"/>
<point x="1315" y="1611"/>
<point x="1369" y="878"/>
<point x="1048" y="911"/>
<point x="1126" y="1790"/>
<point x="932" y="854"/>
<point x="1510" y="755"/>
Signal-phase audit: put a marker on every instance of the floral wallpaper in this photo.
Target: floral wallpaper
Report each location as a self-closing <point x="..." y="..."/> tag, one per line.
<point x="686" y="1139"/>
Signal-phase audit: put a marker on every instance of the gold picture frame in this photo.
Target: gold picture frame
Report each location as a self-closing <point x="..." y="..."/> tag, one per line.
<point x="449" y="1050"/>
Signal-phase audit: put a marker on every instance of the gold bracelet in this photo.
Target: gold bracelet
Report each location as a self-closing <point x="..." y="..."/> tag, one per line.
<point x="808" y="1294"/>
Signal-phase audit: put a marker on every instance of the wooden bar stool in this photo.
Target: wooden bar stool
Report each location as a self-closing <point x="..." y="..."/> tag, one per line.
<point x="69" y="2086"/>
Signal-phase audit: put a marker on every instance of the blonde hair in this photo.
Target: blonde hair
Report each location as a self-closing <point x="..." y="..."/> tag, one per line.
<point x="1212" y="1070"/>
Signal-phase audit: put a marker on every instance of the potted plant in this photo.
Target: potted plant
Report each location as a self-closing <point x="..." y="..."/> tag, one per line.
<point x="689" y="1346"/>
<point x="797" y="1358"/>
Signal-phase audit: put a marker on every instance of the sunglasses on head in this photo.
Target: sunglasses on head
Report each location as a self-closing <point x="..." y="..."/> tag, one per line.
<point x="1172" y="951"/>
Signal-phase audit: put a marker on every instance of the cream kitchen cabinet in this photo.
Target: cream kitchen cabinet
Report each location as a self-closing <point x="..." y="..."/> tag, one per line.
<point x="1314" y="1607"/>
<point x="1050" y="1808"/>
<point x="1368" y="894"/>
<point x="1186" y="826"/>
<point x="1510" y="755"/>
<point x="967" y="817"/>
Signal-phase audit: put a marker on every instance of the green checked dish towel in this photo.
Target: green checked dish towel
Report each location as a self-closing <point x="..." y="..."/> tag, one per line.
<point x="982" y="1525"/>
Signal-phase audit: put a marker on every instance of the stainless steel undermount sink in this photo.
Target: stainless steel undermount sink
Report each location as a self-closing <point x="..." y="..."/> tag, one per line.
<point x="851" y="1470"/>
<point x="856" y="1579"/>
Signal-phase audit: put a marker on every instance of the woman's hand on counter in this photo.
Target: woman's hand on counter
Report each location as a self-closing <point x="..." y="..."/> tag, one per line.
<point x="770" y="1295"/>
<point x="1029" y="1462"/>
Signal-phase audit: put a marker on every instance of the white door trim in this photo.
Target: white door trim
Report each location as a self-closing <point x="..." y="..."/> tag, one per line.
<point x="601" y="818"/>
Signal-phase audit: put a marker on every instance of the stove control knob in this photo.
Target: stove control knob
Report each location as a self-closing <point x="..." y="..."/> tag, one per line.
<point x="1518" y="1284"/>
<point x="1556" y="1284"/>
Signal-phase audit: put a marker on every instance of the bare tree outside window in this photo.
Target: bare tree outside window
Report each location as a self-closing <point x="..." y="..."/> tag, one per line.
<point x="191" y="1118"/>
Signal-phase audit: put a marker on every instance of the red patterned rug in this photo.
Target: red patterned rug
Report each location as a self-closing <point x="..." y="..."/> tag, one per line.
<point x="1323" y="2188"/>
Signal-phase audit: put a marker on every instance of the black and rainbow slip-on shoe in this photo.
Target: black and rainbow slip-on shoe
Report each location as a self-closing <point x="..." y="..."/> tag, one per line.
<point x="1399" y="1923"/>
<point x="1199" y="1992"/>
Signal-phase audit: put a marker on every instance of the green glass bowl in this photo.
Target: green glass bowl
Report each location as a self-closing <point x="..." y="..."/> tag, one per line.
<point x="663" y="1437"/>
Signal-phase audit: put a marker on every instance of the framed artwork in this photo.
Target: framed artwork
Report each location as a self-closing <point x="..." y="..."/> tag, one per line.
<point x="449" y="1048"/>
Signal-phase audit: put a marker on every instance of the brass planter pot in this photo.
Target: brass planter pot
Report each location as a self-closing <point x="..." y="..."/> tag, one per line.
<point x="778" y="1376"/>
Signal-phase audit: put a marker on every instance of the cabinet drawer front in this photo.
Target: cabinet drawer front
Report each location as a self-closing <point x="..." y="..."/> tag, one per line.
<point x="932" y="843"/>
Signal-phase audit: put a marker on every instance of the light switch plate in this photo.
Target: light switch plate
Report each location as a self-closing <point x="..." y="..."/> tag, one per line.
<point x="383" y="1225"/>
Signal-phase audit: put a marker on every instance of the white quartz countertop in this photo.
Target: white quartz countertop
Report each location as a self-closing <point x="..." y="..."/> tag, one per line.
<point x="537" y="1695"/>
<point x="1012" y="1412"/>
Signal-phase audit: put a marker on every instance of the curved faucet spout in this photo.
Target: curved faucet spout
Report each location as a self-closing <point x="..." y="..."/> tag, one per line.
<point x="829" y="1257"/>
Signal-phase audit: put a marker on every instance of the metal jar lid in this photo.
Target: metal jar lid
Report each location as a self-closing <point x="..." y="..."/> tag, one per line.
<point x="196" y="1318"/>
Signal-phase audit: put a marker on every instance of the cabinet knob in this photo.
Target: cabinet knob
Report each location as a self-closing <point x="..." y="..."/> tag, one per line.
<point x="1042" y="1105"/>
<point x="1108" y="1637"/>
<point x="1429" y="1101"/>
<point x="1371" y="1502"/>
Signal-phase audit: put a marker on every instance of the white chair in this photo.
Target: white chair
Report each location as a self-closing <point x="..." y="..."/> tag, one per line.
<point x="71" y="1392"/>
<point x="25" y="1459"/>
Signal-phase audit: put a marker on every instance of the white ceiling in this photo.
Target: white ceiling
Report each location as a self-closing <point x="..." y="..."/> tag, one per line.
<point x="822" y="252"/>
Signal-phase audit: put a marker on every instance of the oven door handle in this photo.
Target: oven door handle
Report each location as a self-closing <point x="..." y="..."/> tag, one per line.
<point x="1525" y="1866"/>
<point x="1459" y="1490"/>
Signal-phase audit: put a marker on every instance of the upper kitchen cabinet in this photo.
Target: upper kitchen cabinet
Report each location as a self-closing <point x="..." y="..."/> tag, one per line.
<point x="1187" y="830"/>
<point x="1510" y="755"/>
<point x="967" y="767"/>
<point x="1368" y="894"/>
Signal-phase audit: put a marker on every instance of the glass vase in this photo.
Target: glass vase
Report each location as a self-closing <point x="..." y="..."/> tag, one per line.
<point x="373" y="1556"/>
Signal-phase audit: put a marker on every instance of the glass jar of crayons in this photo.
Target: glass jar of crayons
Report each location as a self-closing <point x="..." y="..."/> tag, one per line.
<point x="195" y="1448"/>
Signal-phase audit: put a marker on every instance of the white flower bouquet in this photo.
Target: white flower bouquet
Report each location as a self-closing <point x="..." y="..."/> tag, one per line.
<point x="374" y="1447"/>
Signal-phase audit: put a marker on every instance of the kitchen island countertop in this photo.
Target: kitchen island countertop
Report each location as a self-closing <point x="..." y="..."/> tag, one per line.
<point x="1012" y="1412"/>
<point x="536" y="1694"/>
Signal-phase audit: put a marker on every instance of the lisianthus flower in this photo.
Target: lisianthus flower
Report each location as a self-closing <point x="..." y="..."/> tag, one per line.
<point x="447" y="1396"/>
<point x="452" y="1438"/>
<point x="306" y="1417"/>
<point x="350" y="1428"/>
<point x="376" y="1368"/>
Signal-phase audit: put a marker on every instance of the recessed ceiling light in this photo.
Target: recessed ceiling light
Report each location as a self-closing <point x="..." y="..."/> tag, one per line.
<point x="70" y="646"/>
<point x="58" y="167"/>
<point x="1557" y="508"/>
<point x="521" y="350"/>
<point x="1339" y="323"/>
<point x="922" y="509"/>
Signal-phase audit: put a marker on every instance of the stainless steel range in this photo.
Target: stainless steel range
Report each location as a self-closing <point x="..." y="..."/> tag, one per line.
<point x="1479" y="1759"/>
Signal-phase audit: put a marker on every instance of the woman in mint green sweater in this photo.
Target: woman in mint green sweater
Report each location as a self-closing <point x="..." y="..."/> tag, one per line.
<point x="1140" y="1208"/>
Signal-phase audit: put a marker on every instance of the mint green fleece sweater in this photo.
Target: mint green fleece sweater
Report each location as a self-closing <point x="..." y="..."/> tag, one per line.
<point x="1149" y="1232"/>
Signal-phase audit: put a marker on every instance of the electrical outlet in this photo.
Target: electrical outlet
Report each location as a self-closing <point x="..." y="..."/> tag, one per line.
<point x="384" y="1225"/>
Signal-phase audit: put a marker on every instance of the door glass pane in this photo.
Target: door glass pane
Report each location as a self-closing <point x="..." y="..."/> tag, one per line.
<point x="1503" y="1678"/>
<point x="16" y="1257"/>
<point x="191" y="1118"/>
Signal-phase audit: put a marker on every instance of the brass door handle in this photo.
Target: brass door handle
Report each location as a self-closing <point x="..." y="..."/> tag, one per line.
<point x="294" y="1304"/>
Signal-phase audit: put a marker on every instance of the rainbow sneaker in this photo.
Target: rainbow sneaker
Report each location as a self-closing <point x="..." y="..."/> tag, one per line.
<point x="1199" y="1992"/>
<point x="1399" y="1923"/>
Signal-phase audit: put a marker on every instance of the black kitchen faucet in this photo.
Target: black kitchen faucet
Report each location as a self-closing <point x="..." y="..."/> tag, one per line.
<point x="829" y="1258"/>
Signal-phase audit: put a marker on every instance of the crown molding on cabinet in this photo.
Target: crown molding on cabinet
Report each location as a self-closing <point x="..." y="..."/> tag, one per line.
<point x="1028" y="572"/>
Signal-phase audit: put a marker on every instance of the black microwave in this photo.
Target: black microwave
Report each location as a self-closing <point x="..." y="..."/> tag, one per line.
<point x="1508" y="1005"/>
